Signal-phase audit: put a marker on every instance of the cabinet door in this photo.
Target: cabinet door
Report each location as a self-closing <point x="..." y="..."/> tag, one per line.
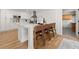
<point x="73" y="27"/>
<point x="67" y="17"/>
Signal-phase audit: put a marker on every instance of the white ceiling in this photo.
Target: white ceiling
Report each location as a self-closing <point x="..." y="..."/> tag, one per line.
<point x="20" y="10"/>
<point x="65" y="11"/>
<point x="31" y="10"/>
<point x="24" y="10"/>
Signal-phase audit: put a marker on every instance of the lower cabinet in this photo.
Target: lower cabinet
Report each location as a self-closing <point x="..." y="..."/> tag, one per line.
<point x="73" y="27"/>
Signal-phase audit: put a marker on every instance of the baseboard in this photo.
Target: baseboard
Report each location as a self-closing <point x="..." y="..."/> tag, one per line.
<point x="22" y="41"/>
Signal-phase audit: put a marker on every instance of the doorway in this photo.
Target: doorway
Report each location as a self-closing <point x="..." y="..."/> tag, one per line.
<point x="69" y="23"/>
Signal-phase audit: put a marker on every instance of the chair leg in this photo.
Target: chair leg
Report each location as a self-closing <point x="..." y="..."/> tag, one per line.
<point x="43" y="40"/>
<point x="49" y="36"/>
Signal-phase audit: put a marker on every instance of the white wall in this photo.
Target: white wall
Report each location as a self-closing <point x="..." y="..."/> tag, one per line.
<point x="0" y="16"/>
<point x="50" y="15"/>
<point x="7" y="14"/>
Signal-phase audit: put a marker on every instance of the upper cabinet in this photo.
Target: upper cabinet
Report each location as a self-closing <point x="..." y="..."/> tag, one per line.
<point x="67" y="17"/>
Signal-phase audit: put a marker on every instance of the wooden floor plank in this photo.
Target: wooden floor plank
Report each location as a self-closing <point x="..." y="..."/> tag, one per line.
<point x="9" y="40"/>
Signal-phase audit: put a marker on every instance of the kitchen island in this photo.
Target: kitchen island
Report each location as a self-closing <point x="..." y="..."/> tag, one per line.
<point x="25" y="32"/>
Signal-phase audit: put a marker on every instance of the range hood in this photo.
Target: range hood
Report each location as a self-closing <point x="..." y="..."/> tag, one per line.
<point x="34" y="14"/>
<point x="34" y="18"/>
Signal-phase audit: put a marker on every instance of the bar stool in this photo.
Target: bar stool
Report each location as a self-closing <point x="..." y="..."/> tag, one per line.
<point x="52" y="29"/>
<point x="38" y="36"/>
<point x="46" y="32"/>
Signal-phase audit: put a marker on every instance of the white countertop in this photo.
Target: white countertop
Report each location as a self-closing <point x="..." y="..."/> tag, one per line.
<point x="11" y="26"/>
<point x="26" y="24"/>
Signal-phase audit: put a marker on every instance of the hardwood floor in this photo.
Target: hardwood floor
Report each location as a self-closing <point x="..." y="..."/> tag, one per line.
<point x="9" y="40"/>
<point x="75" y="38"/>
<point x="54" y="42"/>
<point x="67" y="33"/>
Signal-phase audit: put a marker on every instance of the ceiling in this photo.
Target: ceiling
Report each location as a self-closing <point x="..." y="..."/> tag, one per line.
<point x="31" y="10"/>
